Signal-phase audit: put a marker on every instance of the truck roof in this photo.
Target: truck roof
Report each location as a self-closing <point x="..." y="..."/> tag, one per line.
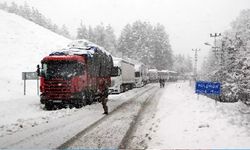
<point x="117" y="61"/>
<point x="138" y="66"/>
<point x="80" y="48"/>
<point x="83" y="44"/>
<point x="153" y="70"/>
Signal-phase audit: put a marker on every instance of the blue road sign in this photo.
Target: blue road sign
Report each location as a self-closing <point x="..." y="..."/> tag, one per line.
<point x="204" y="87"/>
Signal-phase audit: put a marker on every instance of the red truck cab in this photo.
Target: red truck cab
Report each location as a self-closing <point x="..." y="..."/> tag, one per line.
<point x="73" y="76"/>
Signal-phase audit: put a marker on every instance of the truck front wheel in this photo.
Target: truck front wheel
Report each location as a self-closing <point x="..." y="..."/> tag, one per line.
<point x="78" y="103"/>
<point x="90" y="97"/>
<point x="49" y="106"/>
<point x="81" y="101"/>
<point x="121" y="89"/>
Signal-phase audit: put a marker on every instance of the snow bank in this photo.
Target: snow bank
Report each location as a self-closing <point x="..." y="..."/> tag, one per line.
<point x="188" y="121"/>
<point x="23" y="44"/>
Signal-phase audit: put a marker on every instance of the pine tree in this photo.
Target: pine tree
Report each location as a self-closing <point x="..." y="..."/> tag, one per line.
<point x="91" y="36"/>
<point x="82" y="32"/>
<point x="13" y="8"/>
<point x="148" y="44"/>
<point x="182" y="64"/>
<point x="64" y="31"/>
<point x="25" y="11"/>
<point x="110" y="39"/>
<point x="99" y="34"/>
<point x="162" y="49"/>
<point x="4" y="6"/>
<point x="125" y="42"/>
<point x="33" y="15"/>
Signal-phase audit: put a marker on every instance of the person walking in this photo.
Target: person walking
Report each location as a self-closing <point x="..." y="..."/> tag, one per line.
<point x="160" y="81"/>
<point x="163" y="83"/>
<point x="104" y="96"/>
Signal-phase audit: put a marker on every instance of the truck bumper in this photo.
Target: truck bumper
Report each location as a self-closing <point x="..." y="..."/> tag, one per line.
<point x="67" y="99"/>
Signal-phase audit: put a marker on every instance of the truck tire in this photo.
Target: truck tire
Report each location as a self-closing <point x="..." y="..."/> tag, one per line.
<point x="121" y="89"/>
<point x="90" y="98"/>
<point x="49" y="106"/>
<point x="131" y="86"/>
<point x="79" y="103"/>
<point x="42" y="101"/>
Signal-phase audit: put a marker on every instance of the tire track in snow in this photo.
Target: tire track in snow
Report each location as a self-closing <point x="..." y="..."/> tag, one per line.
<point x="35" y="139"/>
<point x="110" y="130"/>
<point x="145" y="125"/>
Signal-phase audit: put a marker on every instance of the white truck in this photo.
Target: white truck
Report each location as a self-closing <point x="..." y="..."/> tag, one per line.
<point x="153" y="75"/>
<point x="126" y="79"/>
<point x="164" y="74"/>
<point x="141" y="75"/>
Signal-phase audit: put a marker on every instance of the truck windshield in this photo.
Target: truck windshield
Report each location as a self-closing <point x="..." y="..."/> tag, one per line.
<point x="61" y="69"/>
<point x="137" y="74"/>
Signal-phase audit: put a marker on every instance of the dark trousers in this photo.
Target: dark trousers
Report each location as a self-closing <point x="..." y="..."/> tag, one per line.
<point x="104" y="101"/>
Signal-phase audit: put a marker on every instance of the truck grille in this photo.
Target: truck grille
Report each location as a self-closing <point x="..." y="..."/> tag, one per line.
<point x="57" y="89"/>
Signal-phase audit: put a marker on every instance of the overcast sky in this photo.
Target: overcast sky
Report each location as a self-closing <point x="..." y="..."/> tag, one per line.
<point x="188" y="22"/>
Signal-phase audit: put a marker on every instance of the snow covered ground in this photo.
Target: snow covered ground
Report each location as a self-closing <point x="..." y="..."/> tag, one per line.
<point x="180" y="120"/>
<point x="23" y="44"/>
<point x="37" y="128"/>
<point x="184" y="120"/>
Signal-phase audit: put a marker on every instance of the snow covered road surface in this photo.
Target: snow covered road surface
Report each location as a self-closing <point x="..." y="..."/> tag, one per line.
<point x="141" y="133"/>
<point x="174" y="118"/>
<point x="112" y="130"/>
<point x="183" y="121"/>
<point x="59" y="126"/>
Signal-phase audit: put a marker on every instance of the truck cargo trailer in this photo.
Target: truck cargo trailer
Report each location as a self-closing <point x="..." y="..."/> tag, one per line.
<point x="126" y="79"/>
<point x="141" y="75"/>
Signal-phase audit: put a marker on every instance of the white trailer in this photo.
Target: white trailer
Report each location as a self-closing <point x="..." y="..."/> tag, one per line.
<point x="141" y="75"/>
<point x="153" y="75"/>
<point x="163" y="74"/>
<point x="167" y="75"/>
<point x="126" y="80"/>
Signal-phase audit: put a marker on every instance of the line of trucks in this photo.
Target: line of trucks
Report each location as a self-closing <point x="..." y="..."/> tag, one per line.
<point x="75" y="76"/>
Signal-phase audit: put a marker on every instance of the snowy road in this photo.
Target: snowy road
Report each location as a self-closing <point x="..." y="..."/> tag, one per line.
<point x="148" y="117"/>
<point x="111" y="131"/>
<point x="57" y="129"/>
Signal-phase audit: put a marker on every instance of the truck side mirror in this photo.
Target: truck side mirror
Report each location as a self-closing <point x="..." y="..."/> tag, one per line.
<point x="115" y="71"/>
<point x="38" y="70"/>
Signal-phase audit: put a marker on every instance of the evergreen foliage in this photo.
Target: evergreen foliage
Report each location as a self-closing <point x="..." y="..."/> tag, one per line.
<point x="231" y="64"/>
<point x="32" y="14"/>
<point x="183" y="64"/>
<point x="101" y="35"/>
<point x="146" y="43"/>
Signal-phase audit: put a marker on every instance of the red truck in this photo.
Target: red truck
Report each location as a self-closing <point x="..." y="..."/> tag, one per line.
<point x="73" y="76"/>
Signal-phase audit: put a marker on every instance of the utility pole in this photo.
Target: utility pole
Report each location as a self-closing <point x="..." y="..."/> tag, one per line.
<point x="215" y="47"/>
<point x="195" y="62"/>
<point x="222" y="62"/>
<point x="215" y="35"/>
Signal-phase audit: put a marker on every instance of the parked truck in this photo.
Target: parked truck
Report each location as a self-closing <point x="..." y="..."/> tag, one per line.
<point x="126" y="78"/>
<point x="73" y="76"/>
<point x="164" y="74"/>
<point x="141" y="75"/>
<point x="153" y="75"/>
<point x="168" y="75"/>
